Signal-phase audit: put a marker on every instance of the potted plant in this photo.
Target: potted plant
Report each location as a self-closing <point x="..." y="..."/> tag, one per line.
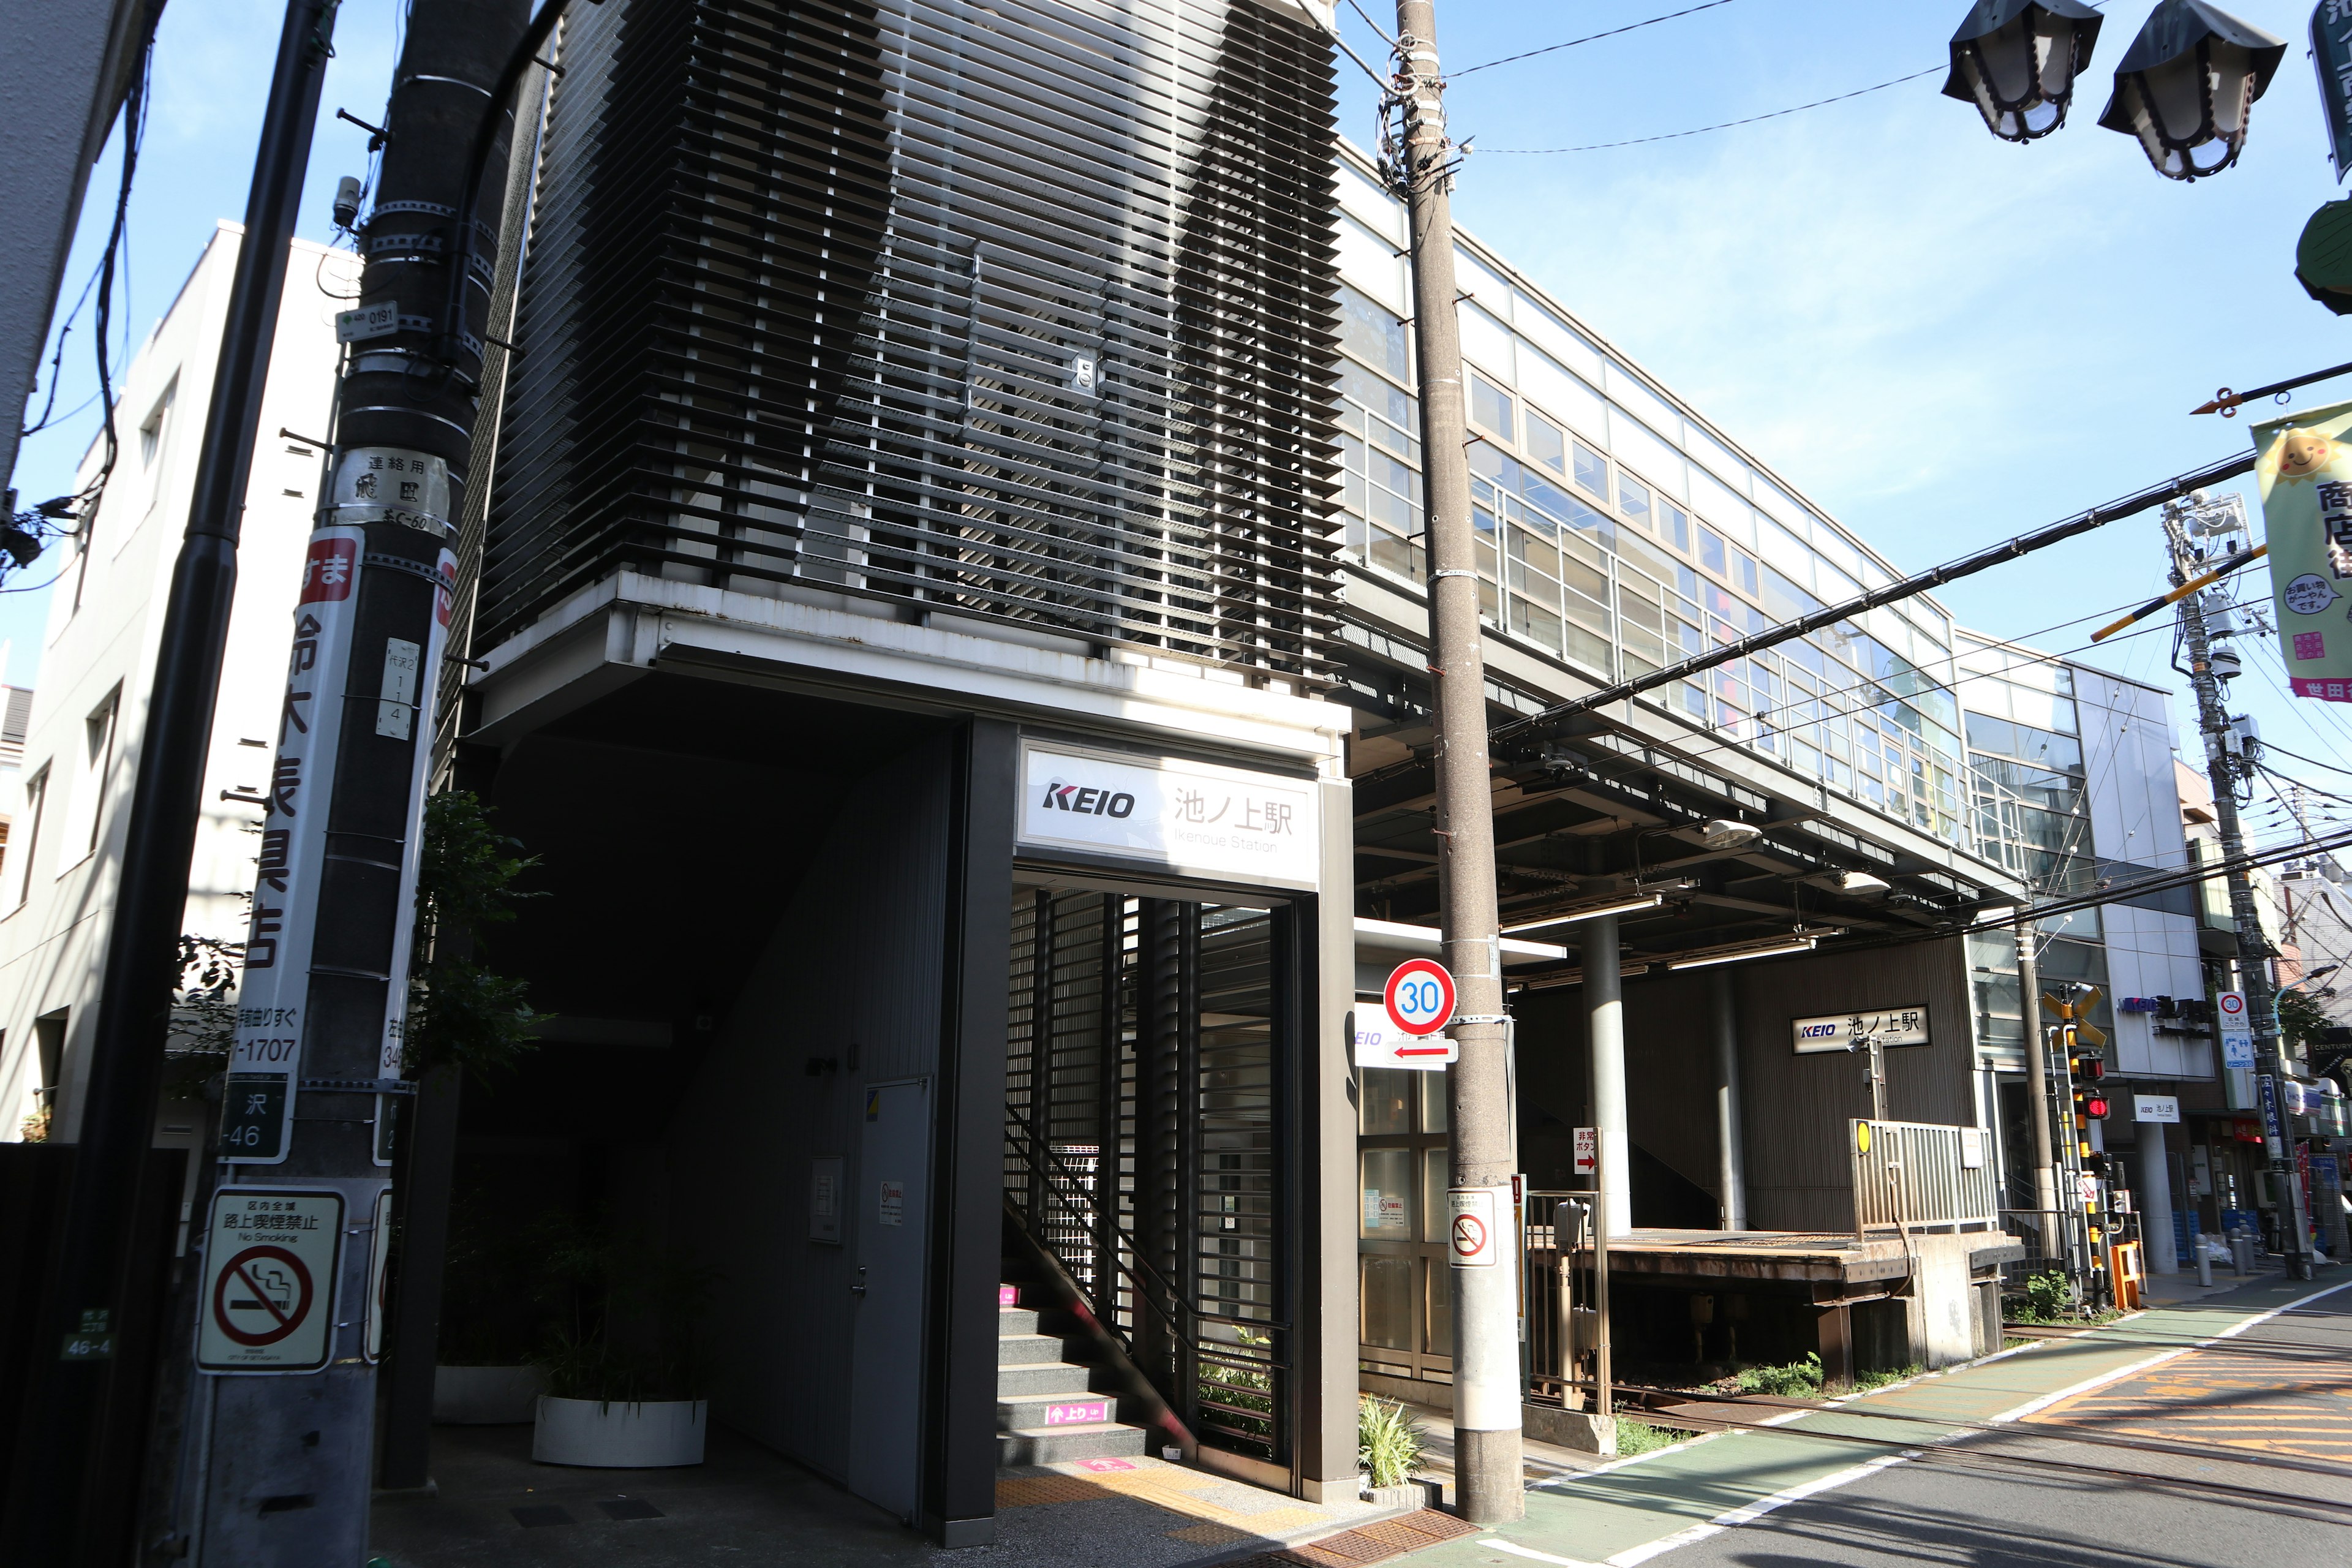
<point x="493" y="1315"/>
<point x="1389" y="1447"/>
<point x="625" y="1368"/>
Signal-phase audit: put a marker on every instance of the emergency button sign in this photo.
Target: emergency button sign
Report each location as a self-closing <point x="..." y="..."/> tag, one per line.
<point x="271" y="1256"/>
<point x="1419" y="997"/>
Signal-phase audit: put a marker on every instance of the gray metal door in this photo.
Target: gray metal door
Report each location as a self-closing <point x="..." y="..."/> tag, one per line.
<point x="893" y="1220"/>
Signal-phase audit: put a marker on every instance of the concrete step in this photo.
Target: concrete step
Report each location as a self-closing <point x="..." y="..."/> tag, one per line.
<point x="1041" y="1412"/>
<point x="1027" y="1350"/>
<point x="1043" y="1379"/>
<point x="1016" y="1320"/>
<point x="1055" y="1445"/>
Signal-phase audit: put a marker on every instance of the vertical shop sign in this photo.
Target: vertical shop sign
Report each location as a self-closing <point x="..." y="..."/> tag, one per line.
<point x="2305" y="476"/>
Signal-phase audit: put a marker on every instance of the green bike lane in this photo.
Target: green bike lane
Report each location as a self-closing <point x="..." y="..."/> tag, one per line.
<point x="1631" y="1512"/>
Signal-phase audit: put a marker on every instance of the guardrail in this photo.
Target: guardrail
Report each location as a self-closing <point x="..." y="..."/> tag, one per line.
<point x="1921" y="1176"/>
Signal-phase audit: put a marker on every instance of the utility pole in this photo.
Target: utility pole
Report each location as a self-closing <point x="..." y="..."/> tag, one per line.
<point x="2037" y="1074"/>
<point x="288" y="1411"/>
<point x="1486" y="1455"/>
<point x="2253" y="948"/>
<point x="74" y="1392"/>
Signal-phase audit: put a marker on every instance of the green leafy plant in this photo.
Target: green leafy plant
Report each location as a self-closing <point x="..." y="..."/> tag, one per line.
<point x="461" y="1012"/>
<point x="203" y="1028"/>
<point x="1641" y="1437"/>
<point x="2302" y="1021"/>
<point x="1866" y="1381"/>
<point x="1389" y="1441"/>
<point x="1797" y="1380"/>
<point x="628" y="1315"/>
<point x="2049" y="1298"/>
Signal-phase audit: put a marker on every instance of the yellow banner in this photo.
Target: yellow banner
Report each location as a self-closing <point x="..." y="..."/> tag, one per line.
<point x="2305" y="474"/>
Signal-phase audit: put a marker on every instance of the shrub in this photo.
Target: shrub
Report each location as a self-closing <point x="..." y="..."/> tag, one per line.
<point x="1797" y="1380"/>
<point x="1641" y="1437"/>
<point x="1389" y="1441"/>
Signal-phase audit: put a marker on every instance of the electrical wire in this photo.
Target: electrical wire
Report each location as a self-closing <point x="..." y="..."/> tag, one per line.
<point x="1725" y="125"/>
<point x="1589" y="38"/>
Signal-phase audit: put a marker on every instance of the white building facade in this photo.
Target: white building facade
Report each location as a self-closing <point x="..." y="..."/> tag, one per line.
<point x="81" y="742"/>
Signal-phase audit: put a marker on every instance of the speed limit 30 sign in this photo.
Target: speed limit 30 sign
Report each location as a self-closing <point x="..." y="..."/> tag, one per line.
<point x="1419" y="997"/>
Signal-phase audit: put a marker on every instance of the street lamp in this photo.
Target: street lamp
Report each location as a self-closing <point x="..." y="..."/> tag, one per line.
<point x="2017" y="61"/>
<point x="2187" y="85"/>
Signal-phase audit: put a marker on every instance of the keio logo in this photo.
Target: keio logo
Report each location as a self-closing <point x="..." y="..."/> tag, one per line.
<point x="1061" y="795"/>
<point x="1817" y="1031"/>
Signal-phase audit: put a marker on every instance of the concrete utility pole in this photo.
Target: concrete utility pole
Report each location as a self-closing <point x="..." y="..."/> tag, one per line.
<point x="287" y="1411"/>
<point x="2254" y="947"/>
<point x="1486" y="1456"/>
<point x="74" y="1388"/>
<point x="2037" y="1074"/>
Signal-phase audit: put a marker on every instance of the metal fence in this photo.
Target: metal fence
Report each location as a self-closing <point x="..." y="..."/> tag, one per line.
<point x="1922" y="1177"/>
<point x="1563" y="1302"/>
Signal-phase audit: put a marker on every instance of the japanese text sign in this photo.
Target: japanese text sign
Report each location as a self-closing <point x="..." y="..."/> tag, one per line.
<point x="1839" y="1031"/>
<point x="2306" y="475"/>
<point x="1196" y="817"/>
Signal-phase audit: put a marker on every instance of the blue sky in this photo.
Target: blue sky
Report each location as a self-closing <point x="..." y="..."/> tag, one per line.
<point x="1944" y="339"/>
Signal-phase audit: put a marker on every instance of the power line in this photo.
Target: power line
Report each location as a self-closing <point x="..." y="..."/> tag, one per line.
<point x="1725" y="125"/>
<point x="1588" y="38"/>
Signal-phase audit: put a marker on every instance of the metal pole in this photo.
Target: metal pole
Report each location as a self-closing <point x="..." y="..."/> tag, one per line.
<point x="1604" y="1034"/>
<point x="2254" y="947"/>
<point x="324" y="997"/>
<point x="2037" y="1073"/>
<point x="1731" y="1163"/>
<point x="1606" y="1404"/>
<point x="1485" y="1338"/>
<point x="73" y="1395"/>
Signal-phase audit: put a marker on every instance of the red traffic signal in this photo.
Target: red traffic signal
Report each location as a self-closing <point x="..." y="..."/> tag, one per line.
<point x="2095" y="1107"/>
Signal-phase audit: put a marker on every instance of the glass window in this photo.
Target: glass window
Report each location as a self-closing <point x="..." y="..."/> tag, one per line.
<point x="1631" y="392"/>
<point x="1388" y="1284"/>
<point x="1673" y="525"/>
<point x="1556" y="337"/>
<point x="1545" y="444"/>
<point x="1490" y="405"/>
<point x="1384" y="1100"/>
<point x="1712" y="553"/>
<point x="1633" y="498"/>
<point x="1591" y="471"/>
<point x="1436" y="1170"/>
<point x="1388" y="1178"/>
<point x="1660" y="463"/>
<point x="1371" y="333"/>
<point x="1373" y="263"/>
<point x="1482" y="283"/>
<point x="1441" y="1308"/>
<point x="1433" y="1101"/>
<point x="1487" y="340"/>
<point x="1546" y="384"/>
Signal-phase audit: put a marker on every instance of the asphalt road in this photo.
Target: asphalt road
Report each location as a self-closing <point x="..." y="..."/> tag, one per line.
<point x="2239" y="1455"/>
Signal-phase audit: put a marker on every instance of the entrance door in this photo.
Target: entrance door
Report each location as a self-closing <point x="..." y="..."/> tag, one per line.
<point x="893" y="1219"/>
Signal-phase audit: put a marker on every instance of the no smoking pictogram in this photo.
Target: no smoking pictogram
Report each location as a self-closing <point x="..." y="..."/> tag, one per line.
<point x="270" y="1261"/>
<point x="1469" y="1236"/>
<point x="262" y="1296"/>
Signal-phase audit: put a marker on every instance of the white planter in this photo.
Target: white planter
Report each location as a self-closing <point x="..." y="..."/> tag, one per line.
<point x="486" y="1395"/>
<point x="618" y="1436"/>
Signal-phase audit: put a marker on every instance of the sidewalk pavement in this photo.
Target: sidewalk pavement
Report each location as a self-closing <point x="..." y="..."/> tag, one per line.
<point x="1627" y="1513"/>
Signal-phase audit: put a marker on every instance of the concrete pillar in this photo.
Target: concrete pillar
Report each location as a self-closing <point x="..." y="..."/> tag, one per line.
<point x="1604" y="1032"/>
<point x="2155" y="1197"/>
<point x="1731" y="1164"/>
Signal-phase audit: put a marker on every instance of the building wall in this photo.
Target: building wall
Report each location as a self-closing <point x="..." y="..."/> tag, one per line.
<point x="1795" y="1107"/>
<point x="852" y="975"/>
<point x="105" y="620"/>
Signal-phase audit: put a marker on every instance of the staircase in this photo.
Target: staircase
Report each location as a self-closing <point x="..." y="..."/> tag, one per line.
<point x="1049" y="1407"/>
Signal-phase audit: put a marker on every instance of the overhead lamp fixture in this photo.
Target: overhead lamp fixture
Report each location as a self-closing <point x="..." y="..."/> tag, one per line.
<point x="1590" y="912"/>
<point x="2188" y="84"/>
<point x="1799" y="942"/>
<point x="1852" y="884"/>
<point x="1554" y="981"/>
<point x="1725" y="833"/>
<point x="2017" y="60"/>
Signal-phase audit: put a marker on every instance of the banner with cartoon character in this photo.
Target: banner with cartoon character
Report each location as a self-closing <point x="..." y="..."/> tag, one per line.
<point x="2305" y="474"/>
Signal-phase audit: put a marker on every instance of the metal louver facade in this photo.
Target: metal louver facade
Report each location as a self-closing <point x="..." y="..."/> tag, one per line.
<point x="1022" y="310"/>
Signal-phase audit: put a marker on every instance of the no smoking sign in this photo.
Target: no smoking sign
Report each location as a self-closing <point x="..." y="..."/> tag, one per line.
<point x="271" y="1256"/>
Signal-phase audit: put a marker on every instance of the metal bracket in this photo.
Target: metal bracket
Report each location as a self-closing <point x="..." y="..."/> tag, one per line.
<point x="1455" y="571"/>
<point x="358" y="1085"/>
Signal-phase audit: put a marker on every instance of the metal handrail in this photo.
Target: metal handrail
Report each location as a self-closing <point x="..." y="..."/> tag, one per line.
<point x="1072" y="1196"/>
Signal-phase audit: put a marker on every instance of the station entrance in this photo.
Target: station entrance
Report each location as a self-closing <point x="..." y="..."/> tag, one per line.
<point x="1151" y="1073"/>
